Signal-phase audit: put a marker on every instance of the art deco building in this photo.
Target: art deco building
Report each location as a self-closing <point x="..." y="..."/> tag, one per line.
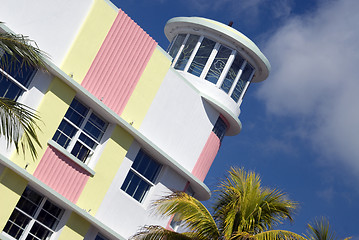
<point x="123" y="121"/>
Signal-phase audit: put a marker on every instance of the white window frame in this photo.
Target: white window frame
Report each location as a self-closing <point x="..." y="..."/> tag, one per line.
<point x="79" y="131"/>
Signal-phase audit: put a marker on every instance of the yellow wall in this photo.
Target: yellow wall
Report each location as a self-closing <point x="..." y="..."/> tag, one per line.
<point x="146" y="88"/>
<point x="89" y="40"/>
<point x="106" y="168"/>
<point x="51" y="110"/>
<point x="75" y="228"/>
<point x="11" y="188"/>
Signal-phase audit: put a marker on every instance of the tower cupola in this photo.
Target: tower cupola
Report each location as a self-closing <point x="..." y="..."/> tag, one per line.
<point x="218" y="60"/>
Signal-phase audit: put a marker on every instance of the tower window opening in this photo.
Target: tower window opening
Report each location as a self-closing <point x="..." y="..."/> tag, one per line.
<point x="209" y="60"/>
<point x="220" y="128"/>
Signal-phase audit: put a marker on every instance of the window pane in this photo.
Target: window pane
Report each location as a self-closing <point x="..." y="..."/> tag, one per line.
<point x="220" y="128"/>
<point x="64" y="133"/>
<point x="29" y="202"/>
<point x="76" y="113"/>
<point x="79" y="107"/>
<point x="95" y="127"/>
<point x="145" y="165"/>
<point x="176" y="45"/>
<point x="186" y="52"/>
<point x="151" y="170"/>
<point x="232" y="73"/>
<point x="49" y="215"/>
<point x="141" y="190"/>
<point x="80" y="151"/>
<point x="100" y="237"/>
<point x="38" y="232"/>
<point x="19" y="70"/>
<point x="130" y="183"/>
<point x="68" y="129"/>
<point x="218" y="64"/>
<point x="8" y="89"/>
<point x="88" y="141"/>
<point x="247" y="72"/>
<point x="16" y="224"/>
<point x="201" y="57"/>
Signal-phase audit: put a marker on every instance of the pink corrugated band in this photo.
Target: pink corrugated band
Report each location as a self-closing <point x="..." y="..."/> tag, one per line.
<point x="207" y="156"/>
<point x="120" y="62"/>
<point x="61" y="174"/>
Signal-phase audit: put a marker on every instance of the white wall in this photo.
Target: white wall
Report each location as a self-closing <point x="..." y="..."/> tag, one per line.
<point x="126" y="215"/>
<point x="52" y="24"/>
<point x="179" y="121"/>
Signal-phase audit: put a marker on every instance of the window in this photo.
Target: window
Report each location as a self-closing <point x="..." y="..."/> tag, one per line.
<point x="244" y="78"/>
<point x="34" y="217"/>
<point x="100" y="237"/>
<point x="15" y="78"/>
<point x="218" y="64"/>
<point x="186" y="52"/>
<point x="141" y="176"/>
<point x="232" y="73"/>
<point x="176" y="45"/>
<point x="220" y="128"/>
<point x="80" y="131"/>
<point x="202" y="55"/>
<point x="212" y="61"/>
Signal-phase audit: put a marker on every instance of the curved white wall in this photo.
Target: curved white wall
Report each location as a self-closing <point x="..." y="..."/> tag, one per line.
<point x="179" y="120"/>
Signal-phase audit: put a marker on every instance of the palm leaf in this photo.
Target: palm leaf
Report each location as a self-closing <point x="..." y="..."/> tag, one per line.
<point x="17" y="119"/>
<point x="21" y="49"/>
<point x="190" y="212"/>
<point x="160" y="233"/>
<point x="278" y="235"/>
<point x="242" y="205"/>
<point x="320" y="230"/>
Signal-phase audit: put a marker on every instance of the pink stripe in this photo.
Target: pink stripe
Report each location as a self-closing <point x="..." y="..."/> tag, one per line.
<point x="120" y="62"/>
<point x="207" y="156"/>
<point x="61" y="174"/>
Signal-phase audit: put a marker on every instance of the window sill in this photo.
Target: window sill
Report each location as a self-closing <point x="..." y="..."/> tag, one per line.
<point x="71" y="157"/>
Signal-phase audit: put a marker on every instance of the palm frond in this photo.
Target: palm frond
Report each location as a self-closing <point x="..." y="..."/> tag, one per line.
<point x="16" y="120"/>
<point x="242" y="205"/>
<point x="191" y="212"/>
<point x="160" y="233"/>
<point x="21" y="49"/>
<point x="320" y="230"/>
<point x="278" y="235"/>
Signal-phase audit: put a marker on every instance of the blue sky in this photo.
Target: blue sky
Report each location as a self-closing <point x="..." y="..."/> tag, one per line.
<point x="300" y="126"/>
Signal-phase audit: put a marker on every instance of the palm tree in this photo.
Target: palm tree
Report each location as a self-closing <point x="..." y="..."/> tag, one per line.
<point x="242" y="210"/>
<point x="320" y="230"/>
<point x="18" y="123"/>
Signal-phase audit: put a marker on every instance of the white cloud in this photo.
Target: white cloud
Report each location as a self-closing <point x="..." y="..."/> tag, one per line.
<point x="314" y="77"/>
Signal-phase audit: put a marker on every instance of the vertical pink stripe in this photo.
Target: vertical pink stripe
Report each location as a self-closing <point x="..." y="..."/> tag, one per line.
<point x="207" y="156"/>
<point x="61" y="174"/>
<point x="120" y="62"/>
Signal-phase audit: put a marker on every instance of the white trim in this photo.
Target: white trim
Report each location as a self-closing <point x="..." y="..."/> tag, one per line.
<point x="237" y="78"/>
<point x="210" y="60"/>
<point x="180" y="50"/>
<point x="226" y="68"/>
<point x="194" y="52"/>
